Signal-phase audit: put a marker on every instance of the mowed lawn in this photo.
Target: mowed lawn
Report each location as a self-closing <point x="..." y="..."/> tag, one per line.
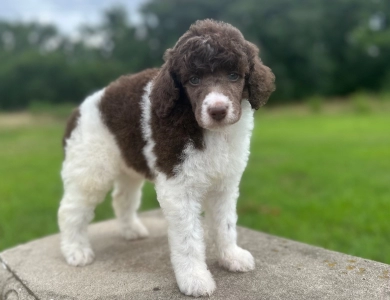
<point x="323" y="179"/>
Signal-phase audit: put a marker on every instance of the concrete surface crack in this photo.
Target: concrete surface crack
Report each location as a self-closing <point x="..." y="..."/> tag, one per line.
<point x="4" y="264"/>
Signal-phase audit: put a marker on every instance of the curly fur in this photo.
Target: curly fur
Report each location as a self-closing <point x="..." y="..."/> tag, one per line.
<point x="225" y="49"/>
<point x="191" y="138"/>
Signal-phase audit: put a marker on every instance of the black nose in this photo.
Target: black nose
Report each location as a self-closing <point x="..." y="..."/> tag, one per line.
<point x="217" y="112"/>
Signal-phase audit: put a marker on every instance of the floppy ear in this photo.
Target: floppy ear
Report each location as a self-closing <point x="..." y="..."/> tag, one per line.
<point x="165" y="91"/>
<point x="259" y="81"/>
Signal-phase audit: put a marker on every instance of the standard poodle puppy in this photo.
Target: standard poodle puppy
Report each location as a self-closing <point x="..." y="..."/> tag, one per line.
<point x="186" y="127"/>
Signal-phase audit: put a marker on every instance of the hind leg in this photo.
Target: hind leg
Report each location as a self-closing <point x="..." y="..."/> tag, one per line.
<point x="87" y="179"/>
<point x="126" y="199"/>
<point x="92" y="162"/>
<point x="75" y="213"/>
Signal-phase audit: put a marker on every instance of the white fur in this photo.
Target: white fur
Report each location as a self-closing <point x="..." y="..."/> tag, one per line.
<point x="214" y="99"/>
<point x="92" y="164"/>
<point x="146" y="129"/>
<point x="208" y="178"/>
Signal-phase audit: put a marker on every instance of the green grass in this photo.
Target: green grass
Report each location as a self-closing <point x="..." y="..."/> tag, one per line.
<point x="321" y="178"/>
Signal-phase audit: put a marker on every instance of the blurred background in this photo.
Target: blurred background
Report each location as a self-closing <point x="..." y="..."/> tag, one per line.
<point x="319" y="170"/>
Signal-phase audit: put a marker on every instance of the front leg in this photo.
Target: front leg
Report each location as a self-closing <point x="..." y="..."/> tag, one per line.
<point x="182" y="207"/>
<point x="221" y="218"/>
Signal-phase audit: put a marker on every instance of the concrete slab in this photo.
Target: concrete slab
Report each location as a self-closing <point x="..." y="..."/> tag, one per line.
<point x="141" y="270"/>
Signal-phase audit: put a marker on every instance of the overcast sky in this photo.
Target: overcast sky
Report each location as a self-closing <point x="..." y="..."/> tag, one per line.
<point x="66" y="14"/>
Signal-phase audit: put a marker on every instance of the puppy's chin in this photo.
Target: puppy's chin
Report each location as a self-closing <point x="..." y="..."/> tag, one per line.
<point x="218" y="126"/>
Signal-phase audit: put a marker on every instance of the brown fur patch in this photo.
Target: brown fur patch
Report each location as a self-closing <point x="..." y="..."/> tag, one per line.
<point x="174" y="133"/>
<point x="121" y="112"/>
<point x="260" y="79"/>
<point x="71" y="125"/>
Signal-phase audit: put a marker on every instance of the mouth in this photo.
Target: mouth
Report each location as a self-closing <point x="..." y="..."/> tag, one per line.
<point x="217" y="125"/>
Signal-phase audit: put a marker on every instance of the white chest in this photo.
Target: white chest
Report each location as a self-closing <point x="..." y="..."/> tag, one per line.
<point x="225" y="154"/>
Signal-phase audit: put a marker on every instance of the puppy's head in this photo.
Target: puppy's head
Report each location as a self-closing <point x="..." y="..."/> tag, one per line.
<point x="213" y="68"/>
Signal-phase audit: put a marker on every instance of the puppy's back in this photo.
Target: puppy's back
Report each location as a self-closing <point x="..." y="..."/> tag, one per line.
<point x="119" y="110"/>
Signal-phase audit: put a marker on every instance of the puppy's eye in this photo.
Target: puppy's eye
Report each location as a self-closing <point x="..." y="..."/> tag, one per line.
<point x="233" y="76"/>
<point x="194" y="80"/>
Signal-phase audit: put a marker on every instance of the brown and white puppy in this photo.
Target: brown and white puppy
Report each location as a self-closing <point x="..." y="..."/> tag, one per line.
<point x="187" y="128"/>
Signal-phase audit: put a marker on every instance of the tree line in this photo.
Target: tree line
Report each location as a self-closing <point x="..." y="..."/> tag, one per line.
<point x="324" y="47"/>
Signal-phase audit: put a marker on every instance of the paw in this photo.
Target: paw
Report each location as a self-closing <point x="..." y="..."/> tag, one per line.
<point x="196" y="284"/>
<point x="136" y="230"/>
<point x="237" y="259"/>
<point x="79" y="257"/>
